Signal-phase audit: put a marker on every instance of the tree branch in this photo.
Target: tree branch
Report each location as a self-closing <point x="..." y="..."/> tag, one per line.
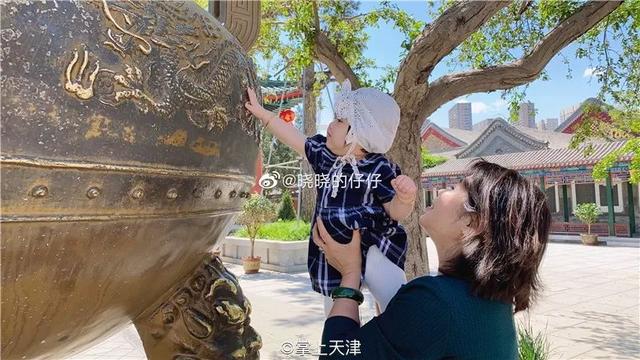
<point x="440" y="38"/>
<point x="327" y="53"/>
<point x="287" y="63"/>
<point x="522" y="71"/>
<point x="316" y="18"/>
<point x="349" y="18"/>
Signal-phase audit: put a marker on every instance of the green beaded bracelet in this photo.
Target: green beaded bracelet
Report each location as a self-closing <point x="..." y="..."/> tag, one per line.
<point x="347" y="293"/>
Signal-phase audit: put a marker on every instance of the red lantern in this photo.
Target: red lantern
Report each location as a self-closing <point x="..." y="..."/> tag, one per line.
<point x="287" y="115"/>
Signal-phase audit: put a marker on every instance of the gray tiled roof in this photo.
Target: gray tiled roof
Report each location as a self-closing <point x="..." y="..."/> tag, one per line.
<point x="556" y="140"/>
<point x="467" y="136"/>
<point x="502" y="125"/>
<point x="539" y="159"/>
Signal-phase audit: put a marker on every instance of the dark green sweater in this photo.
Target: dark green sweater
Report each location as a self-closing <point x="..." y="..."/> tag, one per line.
<point x="431" y="317"/>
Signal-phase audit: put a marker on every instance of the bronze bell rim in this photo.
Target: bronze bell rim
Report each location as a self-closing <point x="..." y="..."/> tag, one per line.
<point x="139" y="194"/>
<point x="141" y="169"/>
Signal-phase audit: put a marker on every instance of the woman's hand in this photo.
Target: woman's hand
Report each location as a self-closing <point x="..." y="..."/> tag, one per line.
<point x="346" y="258"/>
<point x="256" y="109"/>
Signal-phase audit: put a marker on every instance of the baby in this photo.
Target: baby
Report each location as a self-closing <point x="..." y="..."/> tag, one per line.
<point x="364" y="190"/>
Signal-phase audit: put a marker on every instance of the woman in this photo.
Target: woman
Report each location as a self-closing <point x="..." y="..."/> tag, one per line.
<point x="490" y="233"/>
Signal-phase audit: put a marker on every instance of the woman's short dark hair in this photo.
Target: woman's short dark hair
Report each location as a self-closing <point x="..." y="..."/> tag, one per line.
<point x="509" y="222"/>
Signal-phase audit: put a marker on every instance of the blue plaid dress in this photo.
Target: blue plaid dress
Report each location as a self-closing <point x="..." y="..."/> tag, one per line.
<point x="358" y="205"/>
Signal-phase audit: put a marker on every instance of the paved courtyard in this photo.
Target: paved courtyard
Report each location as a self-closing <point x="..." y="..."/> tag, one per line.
<point x="589" y="307"/>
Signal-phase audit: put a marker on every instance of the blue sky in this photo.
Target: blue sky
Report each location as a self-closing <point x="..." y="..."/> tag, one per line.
<point x="549" y="97"/>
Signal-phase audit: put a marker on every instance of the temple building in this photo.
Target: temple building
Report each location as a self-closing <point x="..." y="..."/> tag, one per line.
<point x="544" y="158"/>
<point x="278" y="94"/>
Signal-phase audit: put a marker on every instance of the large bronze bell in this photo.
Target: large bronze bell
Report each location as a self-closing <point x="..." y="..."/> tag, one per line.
<point x="126" y="152"/>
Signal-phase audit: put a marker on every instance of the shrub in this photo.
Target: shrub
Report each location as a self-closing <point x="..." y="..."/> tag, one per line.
<point x="286" y="211"/>
<point x="587" y="213"/>
<point x="429" y="160"/>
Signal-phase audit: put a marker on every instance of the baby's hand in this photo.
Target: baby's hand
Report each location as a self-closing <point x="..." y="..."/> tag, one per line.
<point x="405" y="188"/>
<point x="256" y="109"/>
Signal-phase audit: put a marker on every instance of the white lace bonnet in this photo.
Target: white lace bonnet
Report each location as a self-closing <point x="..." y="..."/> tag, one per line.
<point x="373" y="116"/>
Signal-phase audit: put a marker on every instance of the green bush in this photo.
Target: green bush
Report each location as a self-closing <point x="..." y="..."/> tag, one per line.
<point x="281" y="230"/>
<point x="256" y="211"/>
<point x="429" y="160"/>
<point x="587" y="213"/>
<point x="286" y="211"/>
<point x="531" y="345"/>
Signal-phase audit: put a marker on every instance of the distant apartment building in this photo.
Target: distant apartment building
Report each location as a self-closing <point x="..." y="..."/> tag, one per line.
<point x="527" y="115"/>
<point x="551" y="123"/>
<point x="542" y="125"/>
<point x="460" y="116"/>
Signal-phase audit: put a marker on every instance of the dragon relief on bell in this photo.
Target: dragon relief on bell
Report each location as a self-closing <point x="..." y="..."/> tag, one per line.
<point x="194" y="70"/>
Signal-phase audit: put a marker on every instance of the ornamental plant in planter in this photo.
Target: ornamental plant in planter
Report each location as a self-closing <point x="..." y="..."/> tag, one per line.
<point x="588" y="213"/>
<point x="256" y="211"/>
<point x="286" y="210"/>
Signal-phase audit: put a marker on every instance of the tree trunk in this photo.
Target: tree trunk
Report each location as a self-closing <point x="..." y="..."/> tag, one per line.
<point x="308" y="199"/>
<point x="406" y="153"/>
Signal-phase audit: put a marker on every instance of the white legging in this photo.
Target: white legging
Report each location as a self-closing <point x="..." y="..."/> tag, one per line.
<point x="382" y="277"/>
